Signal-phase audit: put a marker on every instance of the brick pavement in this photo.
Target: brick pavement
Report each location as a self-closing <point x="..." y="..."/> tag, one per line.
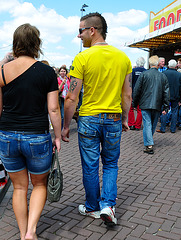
<point x="149" y="195"/>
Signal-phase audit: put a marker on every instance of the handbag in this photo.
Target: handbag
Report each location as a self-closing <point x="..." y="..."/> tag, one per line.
<point x="55" y="180"/>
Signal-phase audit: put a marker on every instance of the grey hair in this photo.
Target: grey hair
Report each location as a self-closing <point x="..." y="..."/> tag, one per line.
<point x="140" y="62"/>
<point x="172" y="63"/>
<point x="161" y="58"/>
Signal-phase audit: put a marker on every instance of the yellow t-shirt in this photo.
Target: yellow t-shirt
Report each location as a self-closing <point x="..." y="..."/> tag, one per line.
<point x="103" y="69"/>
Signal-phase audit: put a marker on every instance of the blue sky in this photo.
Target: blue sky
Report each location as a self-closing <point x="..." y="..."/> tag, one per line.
<point x="58" y="22"/>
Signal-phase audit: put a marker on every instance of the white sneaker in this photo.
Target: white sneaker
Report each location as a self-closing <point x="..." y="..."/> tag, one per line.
<point x="93" y="214"/>
<point x="108" y="216"/>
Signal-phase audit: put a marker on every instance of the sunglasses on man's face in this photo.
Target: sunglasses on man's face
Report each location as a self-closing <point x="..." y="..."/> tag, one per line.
<point x="82" y="29"/>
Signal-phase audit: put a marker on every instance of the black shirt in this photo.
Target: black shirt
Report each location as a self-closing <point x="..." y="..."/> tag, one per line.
<point x="174" y="80"/>
<point x="25" y="99"/>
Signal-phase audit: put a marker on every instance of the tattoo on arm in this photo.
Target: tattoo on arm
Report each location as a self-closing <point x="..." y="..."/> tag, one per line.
<point x="130" y="80"/>
<point x="10" y="58"/>
<point x="73" y="84"/>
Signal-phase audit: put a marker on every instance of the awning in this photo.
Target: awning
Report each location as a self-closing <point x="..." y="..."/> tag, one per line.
<point x="162" y="38"/>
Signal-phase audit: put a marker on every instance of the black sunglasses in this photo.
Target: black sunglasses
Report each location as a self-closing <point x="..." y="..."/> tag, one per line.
<point x="82" y="29"/>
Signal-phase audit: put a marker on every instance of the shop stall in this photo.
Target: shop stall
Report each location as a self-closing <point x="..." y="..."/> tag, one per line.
<point x="164" y="37"/>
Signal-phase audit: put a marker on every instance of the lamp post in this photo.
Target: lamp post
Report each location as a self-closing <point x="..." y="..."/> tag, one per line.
<point x="82" y="10"/>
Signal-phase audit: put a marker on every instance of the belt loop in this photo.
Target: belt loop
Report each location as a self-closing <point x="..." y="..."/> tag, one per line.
<point x="105" y="116"/>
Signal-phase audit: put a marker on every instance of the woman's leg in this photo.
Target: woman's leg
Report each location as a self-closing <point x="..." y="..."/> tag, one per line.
<point x="62" y="112"/>
<point x="37" y="203"/>
<point x="20" y="182"/>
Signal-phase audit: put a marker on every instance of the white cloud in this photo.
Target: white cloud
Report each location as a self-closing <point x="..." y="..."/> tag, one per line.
<point x="143" y="31"/>
<point x="57" y="59"/>
<point x="8" y="5"/>
<point x="126" y="18"/>
<point x="134" y="54"/>
<point x="51" y="25"/>
<point x="59" y="47"/>
<point x="120" y="35"/>
<point x="76" y="40"/>
<point x="24" y="10"/>
<point x="120" y="26"/>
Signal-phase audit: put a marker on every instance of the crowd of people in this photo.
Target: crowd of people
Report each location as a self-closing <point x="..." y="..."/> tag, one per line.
<point x="160" y="102"/>
<point x="107" y="92"/>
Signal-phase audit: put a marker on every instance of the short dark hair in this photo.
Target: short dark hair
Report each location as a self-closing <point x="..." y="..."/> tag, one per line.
<point x="63" y="67"/>
<point x="26" y="41"/>
<point x="96" y="20"/>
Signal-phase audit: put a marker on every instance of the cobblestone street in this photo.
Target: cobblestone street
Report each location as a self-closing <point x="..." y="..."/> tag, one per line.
<point x="149" y="195"/>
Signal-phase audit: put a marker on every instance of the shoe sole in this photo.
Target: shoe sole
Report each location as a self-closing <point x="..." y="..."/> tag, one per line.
<point x="108" y="220"/>
<point x="89" y="214"/>
<point x="149" y="152"/>
<point x="94" y="216"/>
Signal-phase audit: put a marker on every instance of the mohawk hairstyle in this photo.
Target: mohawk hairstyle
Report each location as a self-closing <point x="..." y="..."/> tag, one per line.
<point x="96" y="20"/>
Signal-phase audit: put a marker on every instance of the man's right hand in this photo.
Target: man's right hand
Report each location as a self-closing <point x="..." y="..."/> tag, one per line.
<point x="125" y="126"/>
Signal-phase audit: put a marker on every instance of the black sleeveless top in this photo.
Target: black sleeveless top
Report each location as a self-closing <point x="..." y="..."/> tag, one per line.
<point x="25" y="99"/>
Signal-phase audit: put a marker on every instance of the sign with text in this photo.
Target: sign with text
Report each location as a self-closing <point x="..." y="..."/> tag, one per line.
<point x="166" y="17"/>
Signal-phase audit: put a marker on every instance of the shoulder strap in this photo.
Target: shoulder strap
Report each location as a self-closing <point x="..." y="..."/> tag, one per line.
<point x="3" y="74"/>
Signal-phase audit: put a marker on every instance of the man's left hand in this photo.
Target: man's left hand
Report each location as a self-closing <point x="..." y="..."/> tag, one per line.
<point x="65" y="134"/>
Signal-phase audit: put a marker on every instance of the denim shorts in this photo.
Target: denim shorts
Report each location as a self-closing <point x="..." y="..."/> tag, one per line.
<point x="26" y="151"/>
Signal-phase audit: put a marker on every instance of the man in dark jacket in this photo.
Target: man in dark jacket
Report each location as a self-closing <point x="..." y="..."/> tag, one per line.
<point x="151" y="92"/>
<point x="174" y="80"/>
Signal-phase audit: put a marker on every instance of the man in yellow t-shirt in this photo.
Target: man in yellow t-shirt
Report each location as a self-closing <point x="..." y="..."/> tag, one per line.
<point x="105" y="73"/>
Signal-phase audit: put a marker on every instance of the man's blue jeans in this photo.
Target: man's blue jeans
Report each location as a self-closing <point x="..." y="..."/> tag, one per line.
<point x="174" y="115"/>
<point x="164" y="120"/>
<point x="174" y="110"/>
<point x="150" y="119"/>
<point x="99" y="137"/>
<point x="179" y="116"/>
